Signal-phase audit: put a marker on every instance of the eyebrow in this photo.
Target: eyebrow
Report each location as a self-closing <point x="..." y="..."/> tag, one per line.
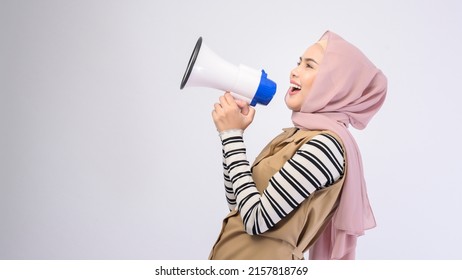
<point x="308" y="60"/>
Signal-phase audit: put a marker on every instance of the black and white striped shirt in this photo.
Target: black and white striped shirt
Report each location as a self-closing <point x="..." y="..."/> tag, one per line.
<point x="317" y="164"/>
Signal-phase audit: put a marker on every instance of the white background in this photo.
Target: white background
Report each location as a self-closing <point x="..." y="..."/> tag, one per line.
<point x="103" y="157"/>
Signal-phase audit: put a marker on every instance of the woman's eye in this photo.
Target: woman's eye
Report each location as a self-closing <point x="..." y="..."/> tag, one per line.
<point x="307" y="65"/>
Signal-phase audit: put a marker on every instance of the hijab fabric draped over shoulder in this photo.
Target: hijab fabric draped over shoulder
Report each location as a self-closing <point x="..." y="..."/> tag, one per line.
<point x="348" y="90"/>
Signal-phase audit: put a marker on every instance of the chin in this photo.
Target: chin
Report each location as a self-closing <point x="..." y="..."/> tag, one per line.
<point x="292" y="107"/>
<point x="292" y="103"/>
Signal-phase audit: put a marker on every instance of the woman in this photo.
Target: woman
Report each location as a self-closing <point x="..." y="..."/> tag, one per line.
<point x="306" y="189"/>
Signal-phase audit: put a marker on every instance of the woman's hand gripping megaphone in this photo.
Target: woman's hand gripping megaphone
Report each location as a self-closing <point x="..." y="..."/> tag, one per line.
<point x="231" y="113"/>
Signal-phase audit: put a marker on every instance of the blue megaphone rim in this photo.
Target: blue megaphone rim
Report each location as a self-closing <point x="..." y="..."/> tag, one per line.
<point x="265" y="91"/>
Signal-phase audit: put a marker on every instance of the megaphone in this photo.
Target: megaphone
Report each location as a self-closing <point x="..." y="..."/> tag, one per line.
<point x="207" y="69"/>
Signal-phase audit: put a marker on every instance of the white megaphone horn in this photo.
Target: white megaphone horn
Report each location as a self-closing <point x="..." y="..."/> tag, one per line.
<point x="206" y="69"/>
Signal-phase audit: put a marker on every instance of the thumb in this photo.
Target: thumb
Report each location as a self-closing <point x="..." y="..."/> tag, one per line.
<point x="244" y="106"/>
<point x="251" y="114"/>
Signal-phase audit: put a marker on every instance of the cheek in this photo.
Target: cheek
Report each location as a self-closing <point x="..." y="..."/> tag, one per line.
<point x="307" y="81"/>
<point x="307" y="84"/>
<point x="294" y="102"/>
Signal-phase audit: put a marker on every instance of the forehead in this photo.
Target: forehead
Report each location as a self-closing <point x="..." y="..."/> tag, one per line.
<point x="315" y="52"/>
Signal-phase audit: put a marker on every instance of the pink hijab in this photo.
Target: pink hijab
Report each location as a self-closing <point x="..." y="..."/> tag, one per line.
<point x="348" y="89"/>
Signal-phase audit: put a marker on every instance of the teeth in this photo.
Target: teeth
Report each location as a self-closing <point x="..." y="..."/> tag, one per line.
<point x="295" y="86"/>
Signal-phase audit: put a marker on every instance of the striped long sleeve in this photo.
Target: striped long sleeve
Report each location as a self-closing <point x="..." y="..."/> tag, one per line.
<point x="229" y="192"/>
<point x="316" y="165"/>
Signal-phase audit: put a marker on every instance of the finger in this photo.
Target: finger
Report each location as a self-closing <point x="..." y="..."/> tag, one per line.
<point x="244" y="106"/>
<point x="248" y="119"/>
<point x="223" y="101"/>
<point x="217" y="112"/>
<point x="217" y="107"/>
<point x="230" y="99"/>
<point x="214" y="115"/>
<point x="251" y="113"/>
<point x="241" y="103"/>
<point x="215" y="118"/>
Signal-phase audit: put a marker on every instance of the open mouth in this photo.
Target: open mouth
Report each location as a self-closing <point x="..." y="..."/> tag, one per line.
<point x="294" y="88"/>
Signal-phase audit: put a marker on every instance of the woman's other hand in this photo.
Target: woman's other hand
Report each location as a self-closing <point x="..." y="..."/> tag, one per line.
<point x="232" y="113"/>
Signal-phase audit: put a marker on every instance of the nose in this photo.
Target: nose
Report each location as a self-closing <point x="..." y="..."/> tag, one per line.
<point x="294" y="72"/>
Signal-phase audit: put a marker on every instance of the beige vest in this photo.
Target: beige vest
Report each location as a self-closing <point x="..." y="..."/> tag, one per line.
<point x="294" y="234"/>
